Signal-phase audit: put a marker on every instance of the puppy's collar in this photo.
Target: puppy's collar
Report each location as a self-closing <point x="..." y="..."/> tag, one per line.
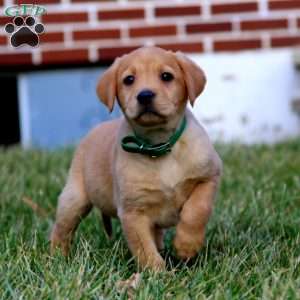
<point x="135" y="144"/>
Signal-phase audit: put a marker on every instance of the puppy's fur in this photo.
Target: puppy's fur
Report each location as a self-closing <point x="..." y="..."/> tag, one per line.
<point x="147" y="194"/>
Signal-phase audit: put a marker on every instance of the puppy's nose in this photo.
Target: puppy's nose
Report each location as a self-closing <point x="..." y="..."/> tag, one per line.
<point x="145" y="97"/>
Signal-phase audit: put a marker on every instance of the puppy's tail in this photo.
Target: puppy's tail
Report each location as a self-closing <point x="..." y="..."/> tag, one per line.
<point x="106" y="220"/>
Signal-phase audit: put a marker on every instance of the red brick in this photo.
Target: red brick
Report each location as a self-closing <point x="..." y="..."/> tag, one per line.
<point x="15" y="59"/>
<point x="237" y="45"/>
<point x="153" y="31"/>
<point x="121" y="14"/>
<point x="284" y="4"/>
<point x="112" y="53"/>
<point x="97" y="34"/>
<point x="285" y="41"/>
<point x="37" y="1"/>
<point x="3" y="40"/>
<point x="65" y="56"/>
<point x="52" y="37"/>
<point x="169" y="11"/>
<point x="1" y="2"/>
<point x="208" y="27"/>
<point x="184" y="47"/>
<point x="234" y="7"/>
<point x="4" y="20"/>
<point x="65" y="17"/>
<point x="264" y="24"/>
<point x="77" y="1"/>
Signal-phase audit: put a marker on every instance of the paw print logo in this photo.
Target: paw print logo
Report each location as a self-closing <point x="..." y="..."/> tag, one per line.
<point x="24" y="31"/>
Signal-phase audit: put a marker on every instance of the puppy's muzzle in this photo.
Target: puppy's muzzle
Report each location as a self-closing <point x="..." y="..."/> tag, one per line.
<point x="145" y="97"/>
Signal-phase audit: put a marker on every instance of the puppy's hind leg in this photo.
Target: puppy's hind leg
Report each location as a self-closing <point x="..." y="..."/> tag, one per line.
<point x="73" y="206"/>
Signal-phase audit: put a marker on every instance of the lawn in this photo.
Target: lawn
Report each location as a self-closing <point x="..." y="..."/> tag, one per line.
<point x="252" y="248"/>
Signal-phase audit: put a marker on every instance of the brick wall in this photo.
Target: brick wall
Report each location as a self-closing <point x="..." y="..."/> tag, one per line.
<point x="78" y="31"/>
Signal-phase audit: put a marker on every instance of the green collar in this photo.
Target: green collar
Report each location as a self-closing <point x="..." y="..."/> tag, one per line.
<point x="135" y="144"/>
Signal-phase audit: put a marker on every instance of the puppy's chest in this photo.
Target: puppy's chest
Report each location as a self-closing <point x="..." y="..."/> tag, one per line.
<point x="174" y="185"/>
<point x="177" y="179"/>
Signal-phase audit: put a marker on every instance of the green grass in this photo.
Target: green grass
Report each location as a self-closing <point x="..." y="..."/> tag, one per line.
<point x="252" y="248"/>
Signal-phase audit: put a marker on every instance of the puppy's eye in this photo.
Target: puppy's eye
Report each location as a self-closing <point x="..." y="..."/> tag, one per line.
<point x="166" y="76"/>
<point x="128" y="80"/>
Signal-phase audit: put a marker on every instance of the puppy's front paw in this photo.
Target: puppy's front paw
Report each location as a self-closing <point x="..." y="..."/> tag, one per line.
<point x="58" y="242"/>
<point x="159" y="265"/>
<point x="155" y="263"/>
<point x="187" y="245"/>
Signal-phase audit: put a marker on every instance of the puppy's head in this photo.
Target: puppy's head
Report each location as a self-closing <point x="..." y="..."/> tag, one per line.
<point x="151" y="85"/>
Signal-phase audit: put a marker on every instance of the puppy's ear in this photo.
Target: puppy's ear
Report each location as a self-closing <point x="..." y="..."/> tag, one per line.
<point x="107" y="85"/>
<point x="193" y="75"/>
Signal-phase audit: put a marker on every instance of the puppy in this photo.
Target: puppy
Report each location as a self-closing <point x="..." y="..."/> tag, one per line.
<point x="153" y="168"/>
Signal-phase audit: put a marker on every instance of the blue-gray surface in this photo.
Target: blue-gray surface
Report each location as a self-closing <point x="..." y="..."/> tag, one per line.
<point x="63" y="106"/>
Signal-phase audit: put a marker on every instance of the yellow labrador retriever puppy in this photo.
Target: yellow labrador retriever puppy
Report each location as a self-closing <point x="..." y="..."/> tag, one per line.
<point x="153" y="168"/>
